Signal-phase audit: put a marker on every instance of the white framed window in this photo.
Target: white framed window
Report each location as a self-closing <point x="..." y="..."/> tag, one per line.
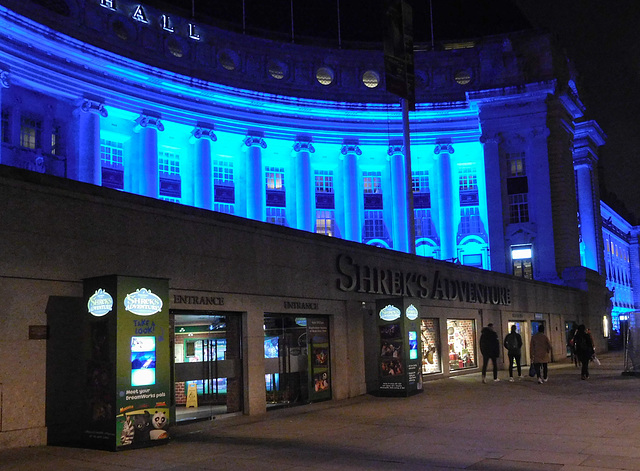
<point x="223" y="172"/>
<point x="224" y="208"/>
<point x="325" y="222"/>
<point x="424" y="224"/>
<point x="518" y="208"/>
<point x="516" y="164"/>
<point x="276" y="216"/>
<point x="169" y="163"/>
<point x="373" y="224"/>
<point x="111" y="153"/>
<point x="467" y="178"/>
<point x="324" y="181"/>
<point x="372" y="182"/>
<point x="275" y="178"/>
<point x="30" y="132"/>
<point x="420" y="181"/>
<point x="470" y="220"/>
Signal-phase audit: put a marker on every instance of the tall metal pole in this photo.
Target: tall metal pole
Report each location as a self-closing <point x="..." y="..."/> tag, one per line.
<point x="339" y="32"/>
<point x="411" y="236"/>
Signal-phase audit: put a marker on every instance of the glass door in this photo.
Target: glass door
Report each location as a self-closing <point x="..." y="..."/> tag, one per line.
<point x="207" y="365"/>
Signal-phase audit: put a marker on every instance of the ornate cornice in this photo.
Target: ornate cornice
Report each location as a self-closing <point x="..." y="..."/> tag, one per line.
<point x="395" y="149"/>
<point x="92" y="106"/>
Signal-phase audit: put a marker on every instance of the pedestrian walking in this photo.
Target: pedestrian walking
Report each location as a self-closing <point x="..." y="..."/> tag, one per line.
<point x="490" y="349"/>
<point x="570" y="342"/>
<point x="513" y="344"/>
<point x="583" y="343"/>
<point x="541" y="354"/>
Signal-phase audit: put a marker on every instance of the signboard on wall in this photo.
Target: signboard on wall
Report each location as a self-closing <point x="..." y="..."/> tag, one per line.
<point x="399" y="349"/>
<point x="128" y="362"/>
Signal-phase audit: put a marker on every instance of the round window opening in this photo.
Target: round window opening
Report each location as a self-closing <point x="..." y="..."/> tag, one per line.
<point x="324" y="76"/>
<point x="370" y="79"/>
<point x="276" y="70"/>
<point x="120" y="30"/>
<point x="227" y="60"/>
<point x="175" y="49"/>
<point x="463" y="77"/>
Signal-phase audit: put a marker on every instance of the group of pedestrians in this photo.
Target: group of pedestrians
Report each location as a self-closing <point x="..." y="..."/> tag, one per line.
<point x="540" y="351"/>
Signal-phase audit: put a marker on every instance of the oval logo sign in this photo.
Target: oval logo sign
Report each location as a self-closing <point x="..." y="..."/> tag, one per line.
<point x="100" y="303"/>
<point x="390" y="313"/>
<point x="412" y="313"/>
<point x="143" y="302"/>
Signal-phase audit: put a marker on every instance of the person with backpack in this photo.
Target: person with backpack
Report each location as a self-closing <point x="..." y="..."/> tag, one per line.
<point x="583" y="343"/>
<point x="513" y="344"/>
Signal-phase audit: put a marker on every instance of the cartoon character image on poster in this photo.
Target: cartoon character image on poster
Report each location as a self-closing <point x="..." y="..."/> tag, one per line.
<point x="321" y="382"/>
<point x="143" y="427"/>
<point x="320" y="356"/>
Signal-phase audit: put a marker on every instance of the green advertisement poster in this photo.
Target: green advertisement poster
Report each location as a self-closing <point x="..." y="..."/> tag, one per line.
<point x="319" y="361"/>
<point x="130" y="335"/>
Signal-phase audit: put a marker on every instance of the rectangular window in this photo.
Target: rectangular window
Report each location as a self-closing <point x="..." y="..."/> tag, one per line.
<point x="515" y="164"/>
<point x="111" y="153"/>
<point x="276" y="216"/>
<point x="424" y="224"/>
<point x="518" y="208"/>
<point x="224" y="208"/>
<point x="420" y="181"/>
<point x="5" y="127"/>
<point x="522" y="259"/>
<point x="462" y="346"/>
<point x="325" y="222"/>
<point x="372" y="182"/>
<point x="467" y="178"/>
<point x="275" y="178"/>
<point x="56" y="142"/>
<point x="470" y="221"/>
<point x="430" y="334"/>
<point x="223" y="185"/>
<point x="169" y="175"/>
<point x="30" y="132"/>
<point x="324" y="181"/>
<point x="111" y="157"/>
<point x="223" y="172"/>
<point x="373" y="225"/>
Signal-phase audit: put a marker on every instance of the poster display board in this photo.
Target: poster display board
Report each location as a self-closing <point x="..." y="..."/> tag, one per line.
<point x="128" y="362"/>
<point x="319" y="372"/>
<point x="399" y="347"/>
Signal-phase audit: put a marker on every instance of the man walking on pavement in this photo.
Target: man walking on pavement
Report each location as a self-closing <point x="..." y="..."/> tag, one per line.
<point x="490" y="349"/>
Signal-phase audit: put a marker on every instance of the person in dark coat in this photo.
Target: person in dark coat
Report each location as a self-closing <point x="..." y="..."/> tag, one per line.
<point x="513" y="344"/>
<point x="583" y="343"/>
<point x="490" y="349"/>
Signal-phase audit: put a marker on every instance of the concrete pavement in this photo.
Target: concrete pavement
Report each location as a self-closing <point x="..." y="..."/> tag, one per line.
<point x="458" y="423"/>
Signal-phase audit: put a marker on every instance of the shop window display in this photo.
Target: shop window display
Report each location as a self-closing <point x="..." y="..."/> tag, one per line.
<point x="461" y="340"/>
<point x="431" y="363"/>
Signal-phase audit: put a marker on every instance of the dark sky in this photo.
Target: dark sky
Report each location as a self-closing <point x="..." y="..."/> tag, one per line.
<point x="600" y="37"/>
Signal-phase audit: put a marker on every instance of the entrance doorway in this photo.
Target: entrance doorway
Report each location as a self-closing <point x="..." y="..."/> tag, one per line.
<point x="297" y="363"/>
<point x="207" y="364"/>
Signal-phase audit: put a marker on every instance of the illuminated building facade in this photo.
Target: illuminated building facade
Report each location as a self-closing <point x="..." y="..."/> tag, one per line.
<point x="237" y="131"/>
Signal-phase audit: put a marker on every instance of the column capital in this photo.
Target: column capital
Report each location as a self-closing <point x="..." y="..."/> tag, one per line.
<point x="303" y="145"/>
<point x="4" y="79"/>
<point x="200" y="132"/>
<point x="444" y="149"/>
<point x="395" y="149"/>
<point x="350" y="148"/>
<point x="146" y="121"/>
<point x="250" y="140"/>
<point x="491" y="138"/>
<point x="93" y="106"/>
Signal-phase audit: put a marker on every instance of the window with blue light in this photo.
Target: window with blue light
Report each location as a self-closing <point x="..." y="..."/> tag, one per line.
<point x="324" y="193"/>
<point x="111" y="157"/>
<point x="277" y="216"/>
<point x="424" y="224"/>
<point x="373" y="225"/>
<point x="6" y="134"/>
<point x="372" y="182"/>
<point x="325" y="220"/>
<point x="30" y="132"/>
<point x="421" y="191"/>
<point x="517" y="187"/>
<point x="56" y="140"/>
<point x="518" y="208"/>
<point x="169" y="175"/>
<point x="276" y="196"/>
<point x="470" y="222"/>
<point x="223" y="186"/>
<point x="324" y="181"/>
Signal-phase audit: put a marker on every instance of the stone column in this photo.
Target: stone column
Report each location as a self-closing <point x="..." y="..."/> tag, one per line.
<point x="586" y="210"/>
<point x="400" y="229"/>
<point x="352" y="226"/>
<point x="497" y="218"/>
<point x="256" y="187"/>
<point x="446" y="229"/>
<point x="203" y="170"/>
<point x="304" y="185"/>
<point x="89" y="161"/>
<point x="147" y="165"/>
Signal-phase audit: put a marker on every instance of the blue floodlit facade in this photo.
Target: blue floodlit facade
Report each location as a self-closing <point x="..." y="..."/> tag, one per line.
<point x="308" y="138"/>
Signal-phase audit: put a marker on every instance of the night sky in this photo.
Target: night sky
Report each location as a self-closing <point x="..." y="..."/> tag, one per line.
<point x="599" y="36"/>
